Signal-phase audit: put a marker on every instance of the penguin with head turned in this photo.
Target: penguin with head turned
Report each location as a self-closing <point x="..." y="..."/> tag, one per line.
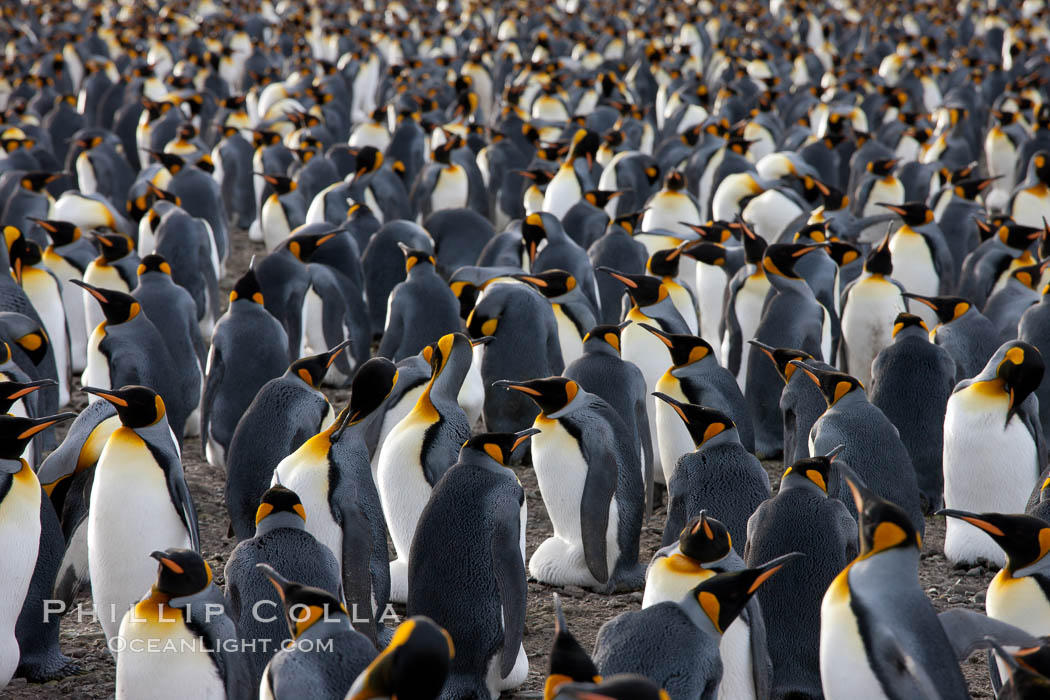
<point x="583" y="445"/>
<point x="332" y="476"/>
<point x="994" y="450"/>
<point x="800" y="517"/>
<point x="286" y="412"/>
<point x="420" y="310"/>
<point x="873" y="448"/>
<point x="967" y="334"/>
<point x="729" y="491"/>
<point x="183" y="614"/>
<point x="912" y="379"/>
<point x="472" y="530"/>
<point x="282" y="541"/>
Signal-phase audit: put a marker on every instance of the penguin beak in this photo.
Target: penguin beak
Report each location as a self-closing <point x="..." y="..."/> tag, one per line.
<point x="771" y="567"/>
<point x="659" y="334"/>
<point x="93" y="291"/>
<point x="891" y="207"/>
<point x="484" y="340"/>
<point x="809" y="372"/>
<point x="335" y="352"/>
<point x="42" y="424"/>
<point x="673" y="403"/>
<point x="628" y="282"/>
<point x="974" y="519"/>
<point x="522" y="436"/>
<point x="508" y="384"/>
<point x="106" y="394"/>
<point x="30" y="387"/>
<point x="167" y="562"/>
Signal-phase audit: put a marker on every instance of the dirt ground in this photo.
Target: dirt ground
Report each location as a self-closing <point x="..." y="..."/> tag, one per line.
<point x="585" y="611"/>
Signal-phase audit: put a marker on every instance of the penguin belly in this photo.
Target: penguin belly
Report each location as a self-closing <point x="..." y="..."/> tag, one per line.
<point x="105" y="277"/>
<point x="561" y="472"/>
<point x="683" y="302"/>
<point x="888" y="190"/>
<point x="750" y="298"/>
<point x="672" y="437"/>
<point x="568" y="337"/>
<point x="451" y="189"/>
<point x="20" y="532"/>
<point x="471" y="397"/>
<point x="96" y="366"/>
<point x="667" y="210"/>
<point x="46" y="297"/>
<point x="710" y="288"/>
<point x="1030" y="206"/>
<point x="404" y="492"/>
<point x="73" y="304"/>
<point x="273" y="222"/>
<point x="738" y="674"/>
<point x="130" y="515"/>
<point x="913" y="267"/>
<point x="769" y="213"/>
<point x="86" y="180"/>
<point x="1020" y="602"/>
<point x="825" y="335"/>
<point x="563" y="191"/>
<point x="313" y="323"/>
<point x="845" y="671"/>
<point x="645" y="350"/>
<point x="161" y="658"/>
<point x="987" y="469"/>
<point x="867" y="325"/>
<point x="309" y="480"/>
<point x="394" y="415"/>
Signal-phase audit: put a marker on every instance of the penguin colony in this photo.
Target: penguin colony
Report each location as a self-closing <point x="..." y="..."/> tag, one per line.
<point x="636" y="247"/>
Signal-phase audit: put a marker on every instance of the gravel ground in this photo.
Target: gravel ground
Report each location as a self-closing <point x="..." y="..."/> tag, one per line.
<point x="585" y="611"/>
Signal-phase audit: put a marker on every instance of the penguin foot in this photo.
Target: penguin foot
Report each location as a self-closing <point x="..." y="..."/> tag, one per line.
<point x="558" y="563"/>
<point x="56" y="667"/>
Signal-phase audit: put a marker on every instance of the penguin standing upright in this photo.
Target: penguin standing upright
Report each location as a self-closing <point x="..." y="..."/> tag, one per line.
<point x="549" y="247"/>
<point x="23" y="530"/>
<point x="114" y="268"/>
<point x="141" y="457"/>
<point x="572" y="310"/>
<point x="744" y="299"/>
<point x="591" y="482"/>
<point x="186" y="641"/>
<point x="473" y="530"/>
<point x="282" y="212"/>
<point x="286" y="412"/>
<point x="923" y="260"/>
<point x="420" y="449"/>
<point x="414" y="665"/>
<point x="993" y="447"/>
<point x="420" y="310"/>
<point x="68" y="255"/>
<point x="879" y="591"/>
<point x="911" y="381"/>
<point x="801" y="517"/>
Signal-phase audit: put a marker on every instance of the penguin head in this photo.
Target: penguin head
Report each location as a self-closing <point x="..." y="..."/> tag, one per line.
<point x="842" y="253"/>
<point x="413" y="666"/>
<point x="414" y="257"/>
<point x="664" y="263"/>
<point x="443" y="153"/>
<point x="551" y="394"/>
<point x="675" y="181"/>
<point x="247" y="288"/>
<point x="117" y="307"/>
<point x="724" y="595"/>
<point x="1024" y="538"/>
<point x="905" y="320"/>
<point x="882" y="525"/>
<point x="60" y="232"/>
<point x="607" y="334"/>
<point x="833" y="385"/>
<point x="1041" y="166"/>
<point x="278" y="499"/>
<point x="628" y="222"/>
<point x="1019" y="366"/>
<point x="971" y="188"/>
<point x="37" y="180"/>
<point x="499" y="446"/>
<point x="644" y="290"/>
<point x="153" y="263"/>
<point x="754" y="245"/>
<point x="834" y="199"/>
<point x="373" y="382"/>
<point x="11" y="391"/>
<point x="569" y="661"/>
<point x="712" y="231"/>
<point x="304" y="606"/>
<point x="780" y="258"/>
<point x="22" y="253"/>
<point x="1017" y="236"/>
<point x="280" y="183"/>
<point x="171" y="162"/>
<point x="550" y="283"/>
<point x="706" y="252"/>
<point x="703" y="423"/>
<point x="304" y="245"/>
<point x="112" y="245"/>
<point x="1029" y="274"/>
<point x="16" y="432"/>
<point x="366" y="160"/>
<point x="815" y="469"/>
<point x="879" y="260"/>
<point x="534" y="231"/>
<point x="600" y="198"/>
<point x="782" y="357"/>
<point x="181" y="572"/>
<point x="467" y="295"/>
<point x="882" y="167"/>
<point x="705" y="539"/>
<point x="685" y="349"/>
<point x="451" y="347"/>
<point x="947" y="308"/>
<point x="912" y="214"/>
<point x="816" y="232"/>
<point x="585" y="144"/>
<point x="313" y="369"/>
<point x="137" y="406"/>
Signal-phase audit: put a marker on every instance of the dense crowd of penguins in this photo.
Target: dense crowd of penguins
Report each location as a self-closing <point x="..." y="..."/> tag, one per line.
<point x="633" y="246"/>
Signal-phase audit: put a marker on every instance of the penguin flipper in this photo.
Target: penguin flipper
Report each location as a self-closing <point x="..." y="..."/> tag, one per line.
<point x="212" y="382"/>
<point x="73" y="571"/>
<point x="899" y="668"/>
<point x="969" y="630"/>
<point x="183" y="502"/>
<point x="599" y="489"/>
<point x="392" y="332"/>
<point x="510" y="580"/>
<point x="761" y="664"/>
<point x="645" y="440"/>
<point x="356" y="558"/>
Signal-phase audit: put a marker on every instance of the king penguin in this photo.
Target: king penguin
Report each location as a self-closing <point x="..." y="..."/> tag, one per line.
<point x="572" y="309"/>
<point x="68" y="255"/>
<point x="967" y="334"/>
<point x="420" y="309"/>
<point x="415" y="664"/>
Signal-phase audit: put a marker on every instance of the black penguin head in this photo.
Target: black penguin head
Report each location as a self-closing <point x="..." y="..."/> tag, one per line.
<point x="443" y="153"/>
<point x="675" y="181"/>
<point x="1021" y="370"/>
<point x="628" y="222"/>
<point x="664" y="263"/>
<point x="754" y="245"/>
<point x="247" y="288"/>
<point x="782" y="357"/>
<point x="373" y="382"/>
<point x="414" y="257"/>
<point x="1017" y="236"/>
<point x="703" y="423"/>
<point x="712" y="232"/>
<point x="281" y="184"/>
<point x="608" y="334"/>
<point x="23" y="253"/>
<point x="705" y="539"/>
<point x="304" y="245"/>
<point x="882" y="167"/>
<point x="550" y="283"/>
<point x="707" y="252"/>
<point x="551" y="394"/>
<point x="499" y="446"/>
<point x="10" y="392"/>
<point x="971" y="188"/>
<point x="906" y="320"/>
<point x="60" y="232"/>
<point x="833" y="385"/>
<point x="883" y="525"/>
<point x="780" y="258"/>
<point x="1041" y="166"/>
<point x="585" y="144"/>
<point x="117" y="307"/>
<point x="879" y="260"/>
<point x="37" y="180"/>
<point x="816" y="469"/>
<point x="685" y="349"/>
<point x="279" y="499"/>
<point x="16" y="432"/>
<point x="112" y="245"/>
<point x="1024" y="538"/>
<point x="413" y="666"/>
<point x="812" y="233"/>
<point x="947" y="308"/>
<point x="1028" y="275"/>
<point x="533" y="231"/>
<point x="171" y="162"/>
<point x="834" y="199"/>
<point x="368" y="159"/>
<point x="313" y="369"/>
<point x="467" y="295"/>
<point x="724" y="595"/>
<point x="644" y="290"/>
<point x="599" y="198"/>
<point x="153" y="263"/>
<point x="911" y="213"/>
<point x="137" y="406"/>
<point x="304" y="606"/>
<point x="842" y="253"/>
<point x="181" y="572"/>
<point x="569" y="661"/>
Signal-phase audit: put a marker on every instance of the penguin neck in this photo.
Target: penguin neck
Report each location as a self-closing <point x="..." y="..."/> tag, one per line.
<point x="596" y="346"/>
<point x="916" y="332"/>
<point x="726" y="437"/>
<point x="693" y="369"/>
<point x="798" y="481"/>
<point x="665" y="314"/>
<point x="851" y="399"/>
<point x="158" y="433"/>
<point x="698" y="617"/>
<point x="277" y="521"/>
<point x="333" y="623"/>
<point x="481" y="460"/>
<point x="443" y="389"/>
<point x="791" y="285"/>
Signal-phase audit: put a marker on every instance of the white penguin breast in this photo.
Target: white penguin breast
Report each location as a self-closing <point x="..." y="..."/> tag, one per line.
<point x="568" y="337"/>
<point x="561" y="472"/>
<point x="770" y="212"/>
<point x="738" y="679"/>
<point x="845" y="671"/>
<point x="451" y="189"/>
<point x="313" y="322"/>
<point x="403" y="487"/>
<point x="20" y="533"/>
<point x="1030" y="206"/>
<point x="867" y="324"/>
<point x="913" y="264"/>
<point x="1020" y="602"/>
<point x="307" y="475"/>
<point x="666" y="209"/>
<point x="748" y="304"/>
<point x="96" y="366"/>
<point x="672" y="437"/>
<point x="666" y="582"/>
<point x="563" y="191"/>
<point x="274" y="222"/>
<point x="165" y="660"/>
